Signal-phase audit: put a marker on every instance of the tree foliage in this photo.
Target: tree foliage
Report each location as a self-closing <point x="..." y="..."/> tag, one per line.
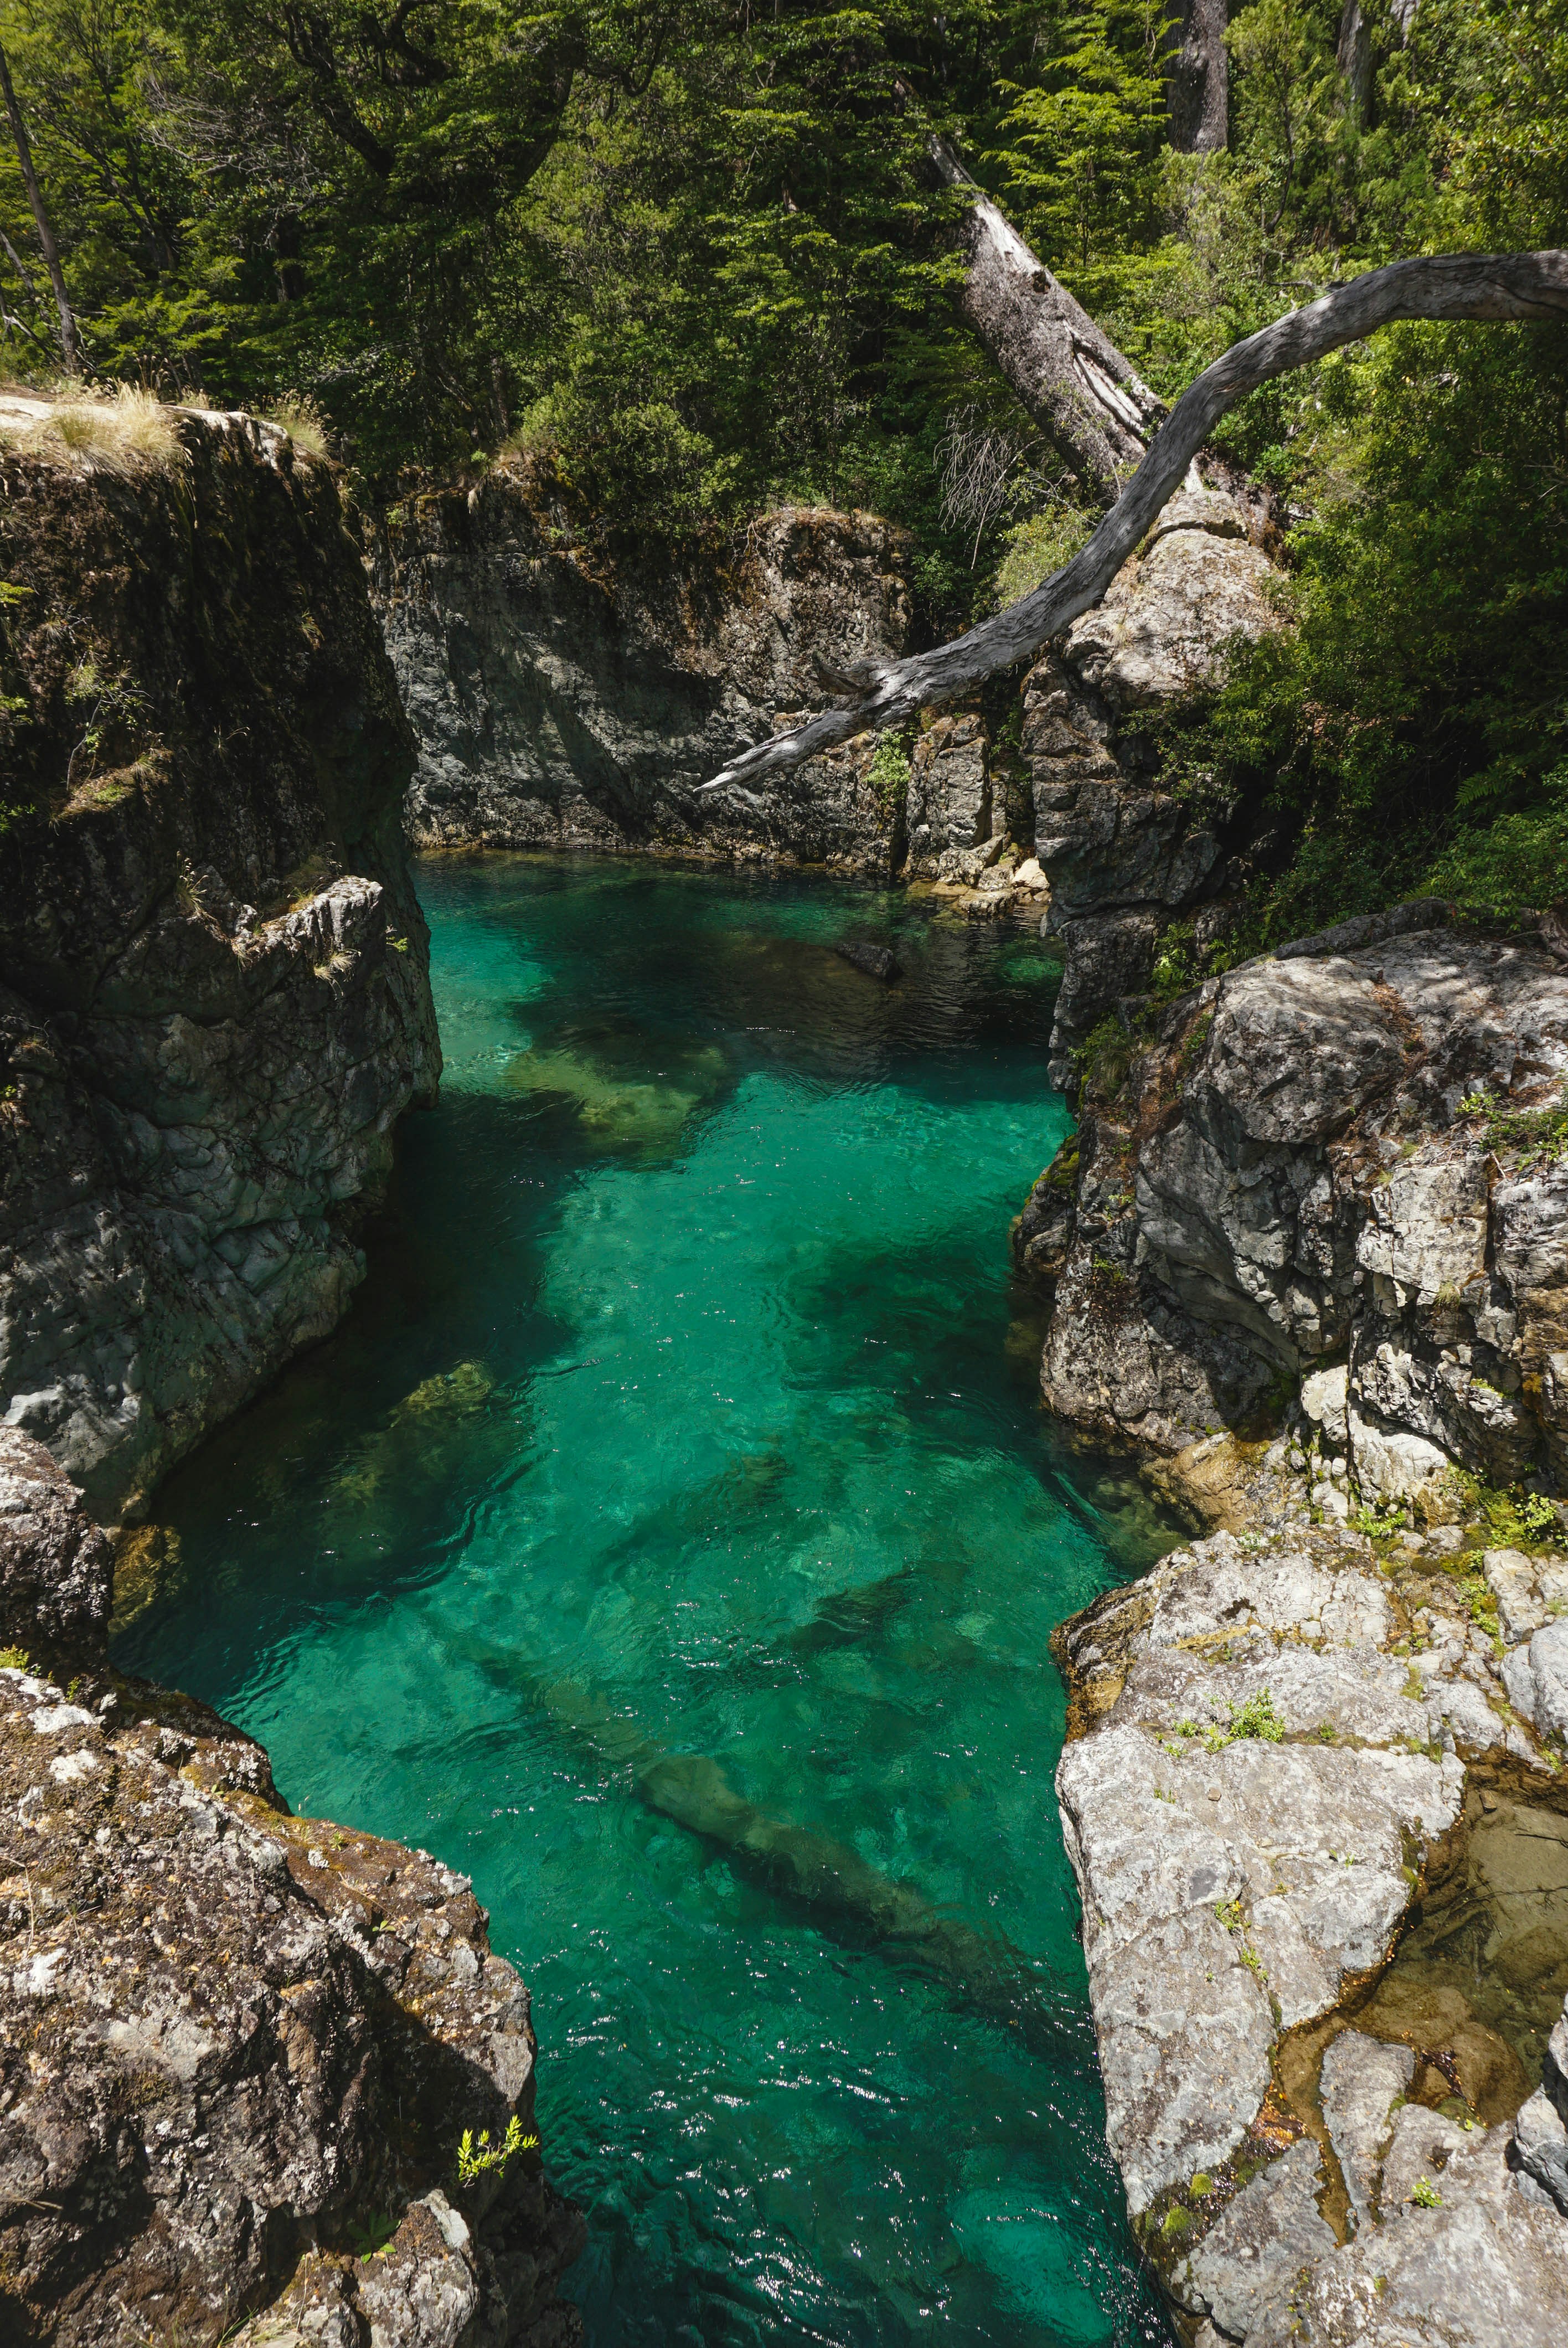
<point x="688" y="256"/>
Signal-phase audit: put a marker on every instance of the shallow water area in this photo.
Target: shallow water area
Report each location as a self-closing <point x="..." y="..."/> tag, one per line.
<point x="672" y="1540"/>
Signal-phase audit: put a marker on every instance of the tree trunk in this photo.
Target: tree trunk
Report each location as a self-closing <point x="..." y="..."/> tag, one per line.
<point x="1070" y="375"/>
<point x="1197" y="76"/>
<point x="1353" y="56"/>
<point x="70" y="344"/>
<point x="1487" y="286"/>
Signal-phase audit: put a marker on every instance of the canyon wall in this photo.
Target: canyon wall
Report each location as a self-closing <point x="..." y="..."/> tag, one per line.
<point x="566" y="696"/>
<point x="214" y="992"/>
<point x="239" y="2051"/>
<point x="1306" y="1253"/>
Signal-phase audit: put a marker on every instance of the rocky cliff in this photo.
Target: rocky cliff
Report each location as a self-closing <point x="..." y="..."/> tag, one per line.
<point x="1123" y="858"/>
<point x="1306" y="1254"/>
<point x="239" y="2050"/>
<point x="214" y="999"/>
<point x="566" y="696"/>
<point x="1342" y="1163"/>
<point x="1324" y="1867"/>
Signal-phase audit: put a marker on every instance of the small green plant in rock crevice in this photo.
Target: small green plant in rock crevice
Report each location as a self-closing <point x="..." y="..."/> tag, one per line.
<point x="475" y="2159"/>
<point x="1514" y="1518"/>
<point x="373" y="2235"/>
<point x="1256" y="1718"/>
<point x="1425" y="2194"/>
<point x="1104" y="1056"/>
<point x="1539" y="1135"/>
<point x="889" y="775"/>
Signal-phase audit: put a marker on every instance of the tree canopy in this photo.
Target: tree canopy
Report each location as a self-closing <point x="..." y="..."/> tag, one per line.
<point x="690" y="257"/>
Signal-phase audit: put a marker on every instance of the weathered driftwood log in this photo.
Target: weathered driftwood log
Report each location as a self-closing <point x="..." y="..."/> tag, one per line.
<point x="1197" y="77"/>
<point x="1484" y="286"/>
<point x="1065" y="369"/>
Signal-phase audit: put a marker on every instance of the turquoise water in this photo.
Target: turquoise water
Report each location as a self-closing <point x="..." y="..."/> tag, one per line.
<point x="672" y="1540"/>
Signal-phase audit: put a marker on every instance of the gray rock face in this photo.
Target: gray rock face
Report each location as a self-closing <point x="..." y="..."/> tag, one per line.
<point x="1248" y="2264"/>
<point x="1540" y="2149"/>
<point x="1362" y="2080"/>
<point x="237" y="2049"/>
<point x="1483" y="2269"/>
<point x="1259" y="1790"/>
<point x="57" y="1567"/>
<point x="214" y="1000"/>
<point x="1287" y="1182"/>
<point x="1231" y="1883"/>
<point x="952" y="829"/>
<point x="564" y="699"/>
<point x="1122" y="856"/>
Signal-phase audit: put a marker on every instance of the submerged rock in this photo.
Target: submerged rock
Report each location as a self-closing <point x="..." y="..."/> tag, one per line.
<point x="864" y="953"/>
<point x="238" y="2049"/>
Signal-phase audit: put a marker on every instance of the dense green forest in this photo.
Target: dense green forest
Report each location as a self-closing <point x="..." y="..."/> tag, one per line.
<point x="689" y="258"/>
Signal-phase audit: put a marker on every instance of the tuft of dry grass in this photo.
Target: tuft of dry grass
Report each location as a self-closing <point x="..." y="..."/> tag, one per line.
<point x="120" y="430"/>
<point x="302" y="420"/>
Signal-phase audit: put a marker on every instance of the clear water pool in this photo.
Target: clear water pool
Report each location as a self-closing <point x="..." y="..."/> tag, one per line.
<point x="672" y="1540"/>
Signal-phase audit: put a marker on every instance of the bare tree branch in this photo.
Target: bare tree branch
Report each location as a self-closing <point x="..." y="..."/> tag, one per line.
<point x="1485" y="287"/>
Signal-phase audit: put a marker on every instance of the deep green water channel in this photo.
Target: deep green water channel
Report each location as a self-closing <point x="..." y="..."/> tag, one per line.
<point x="672" y="1540"/>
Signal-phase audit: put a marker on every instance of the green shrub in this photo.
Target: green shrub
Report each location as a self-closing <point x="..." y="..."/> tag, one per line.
<point x="475" y="2159"/>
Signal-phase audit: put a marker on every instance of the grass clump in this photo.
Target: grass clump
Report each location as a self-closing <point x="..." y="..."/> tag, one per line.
<point x="14" y="1659"/>
<point x="118" y="431"/>
<point x="302" y="419"/>
<point x="1539" y="1136"/>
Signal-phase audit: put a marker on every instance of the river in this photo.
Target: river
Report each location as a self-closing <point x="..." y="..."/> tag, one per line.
<point x="672" y="1540"/>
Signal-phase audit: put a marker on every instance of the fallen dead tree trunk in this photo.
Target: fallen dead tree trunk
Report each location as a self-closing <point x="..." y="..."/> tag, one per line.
<point x="1066" y="371"/>
<point x="1487" y="287"/>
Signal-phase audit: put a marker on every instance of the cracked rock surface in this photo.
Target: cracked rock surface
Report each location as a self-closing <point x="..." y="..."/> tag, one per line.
<point x="1123" y="858"/>
<point x="237" y="2049"/>
<point x="1323" y="1166"/>
<point x="214" y="996"/>
<point x="1324" y="1867"/>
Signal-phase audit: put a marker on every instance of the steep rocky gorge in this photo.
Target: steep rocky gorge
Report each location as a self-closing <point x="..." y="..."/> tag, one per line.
<point x="238" y="2051"/>
<point x="1305" y="1254"/>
